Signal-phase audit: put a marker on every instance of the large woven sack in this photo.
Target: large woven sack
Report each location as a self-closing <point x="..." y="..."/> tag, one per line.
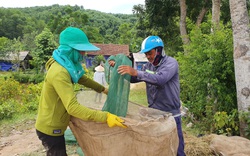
<point x="230" y="145"/>
<point x="150" y="132"/>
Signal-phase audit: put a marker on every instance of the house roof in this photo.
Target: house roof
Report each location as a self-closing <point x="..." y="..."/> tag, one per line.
<point x="110" y="49"/>
<point x="139" y="57"/>
<point x="15" y="56"/>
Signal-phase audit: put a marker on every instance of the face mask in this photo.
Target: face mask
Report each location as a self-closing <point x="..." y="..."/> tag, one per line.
<point x="158" y="56"/>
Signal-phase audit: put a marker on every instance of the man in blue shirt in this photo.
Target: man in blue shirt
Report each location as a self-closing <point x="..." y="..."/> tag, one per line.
<point x="161" y="75"/>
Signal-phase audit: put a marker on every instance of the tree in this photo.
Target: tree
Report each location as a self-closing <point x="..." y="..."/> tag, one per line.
<point x="241" y="38"/>
<point x="207" y="75"/>
<point x="183" y="30"/>
<point x="67" y="17"/>
<point x="125" y="33"/>
<point x="93" y="34"/>
<point x="216" y="12"/>
<point x="98" y="59"/>
<point x="3" y="44"/>
<point x="28" y="41"/>
<point x="202" y="13"/>
<point x="12" y="24"/>
<point x="160" y="17"/>
<point x="45" y="44"/>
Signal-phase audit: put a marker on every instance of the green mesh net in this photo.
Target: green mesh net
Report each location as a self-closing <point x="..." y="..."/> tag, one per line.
<point x="119" y="86"/>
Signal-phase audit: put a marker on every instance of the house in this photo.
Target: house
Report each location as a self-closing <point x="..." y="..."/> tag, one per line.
<point x="107" y="50"/>
<point x="13" y="61"/>
<point x="139" y="60"/>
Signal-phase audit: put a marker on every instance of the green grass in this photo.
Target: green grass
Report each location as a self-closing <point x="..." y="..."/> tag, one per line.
<point x="138" y="93"/>
<point x="4" y="75"/>
<point x="138" y="96"/>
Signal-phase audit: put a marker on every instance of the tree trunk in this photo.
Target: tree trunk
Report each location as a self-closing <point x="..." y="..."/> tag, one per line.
<point x="183" y="29"/>
<point x="201" y="16"/>
<point x="202" y="13"/>
<point x="241" y="38"/>
<point x="216" y="13"/>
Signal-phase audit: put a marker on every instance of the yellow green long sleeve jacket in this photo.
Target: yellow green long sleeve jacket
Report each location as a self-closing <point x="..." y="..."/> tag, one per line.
<point x="58" y="101"/>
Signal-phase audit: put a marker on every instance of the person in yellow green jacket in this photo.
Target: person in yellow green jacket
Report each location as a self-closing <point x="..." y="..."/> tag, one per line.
<point x="58" y="101"/>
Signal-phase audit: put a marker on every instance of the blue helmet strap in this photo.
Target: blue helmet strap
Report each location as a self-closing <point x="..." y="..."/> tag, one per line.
<point x="158" y="56"/>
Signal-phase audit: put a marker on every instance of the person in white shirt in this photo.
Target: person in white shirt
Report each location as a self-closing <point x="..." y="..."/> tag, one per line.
<point x="99" y="76"/>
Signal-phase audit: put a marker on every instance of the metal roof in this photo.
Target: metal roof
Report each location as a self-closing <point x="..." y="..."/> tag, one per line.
<point x="140" y="57"/>
<point x="110" y="49"/>
<point x="15" y="56"/>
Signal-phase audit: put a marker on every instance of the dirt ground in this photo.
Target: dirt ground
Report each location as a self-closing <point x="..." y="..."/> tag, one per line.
<point x="20" y="142"/>
<point x="26" y="143"/>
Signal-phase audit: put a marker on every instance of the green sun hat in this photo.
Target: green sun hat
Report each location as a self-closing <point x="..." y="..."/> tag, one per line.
<point x="77" y="39"/>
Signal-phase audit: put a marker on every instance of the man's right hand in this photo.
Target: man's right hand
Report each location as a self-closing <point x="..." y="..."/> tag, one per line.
<point x="124" y="69"/>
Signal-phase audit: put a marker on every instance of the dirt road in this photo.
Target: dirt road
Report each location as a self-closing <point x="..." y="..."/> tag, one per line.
<point x="18" y="143"/>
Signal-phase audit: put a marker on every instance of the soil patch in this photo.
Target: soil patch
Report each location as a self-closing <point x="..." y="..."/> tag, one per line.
<point x="20" y="142"/>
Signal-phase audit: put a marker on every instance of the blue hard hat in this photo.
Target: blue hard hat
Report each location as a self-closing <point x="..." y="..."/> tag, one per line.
<point x="150" y="43"/>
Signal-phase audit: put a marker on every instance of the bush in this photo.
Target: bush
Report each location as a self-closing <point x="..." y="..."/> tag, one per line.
<point x="7" y="109"/>
<point x="17" y="97"/>
<point x="28" y="77"/>
<point x="9" y="89"/>
<point x="207" y="75"/>
<point x="36" y="78"/>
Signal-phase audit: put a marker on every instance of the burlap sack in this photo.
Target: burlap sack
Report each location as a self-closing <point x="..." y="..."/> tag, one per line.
<point x="150" y="133"/>
<point x="230" y="146"/>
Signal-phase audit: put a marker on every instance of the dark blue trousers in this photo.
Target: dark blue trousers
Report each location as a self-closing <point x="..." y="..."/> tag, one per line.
<point x="180" y="151"/>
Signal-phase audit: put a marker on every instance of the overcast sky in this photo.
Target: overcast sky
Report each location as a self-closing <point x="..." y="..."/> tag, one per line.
<point x="108" y="6"/>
